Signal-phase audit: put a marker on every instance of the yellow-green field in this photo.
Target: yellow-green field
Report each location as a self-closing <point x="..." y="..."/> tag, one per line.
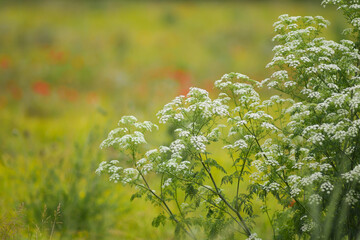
<point x="68" y="72"/>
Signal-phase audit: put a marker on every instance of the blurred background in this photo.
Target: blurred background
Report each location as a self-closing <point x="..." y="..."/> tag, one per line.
<point x="70" y="69"/>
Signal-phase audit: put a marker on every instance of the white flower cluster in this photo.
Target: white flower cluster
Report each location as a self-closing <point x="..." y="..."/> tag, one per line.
<point x="129" y="135"/>
<point x="315" y="199"/>
<point x="147" y="168"/>
<point x="271" y="186"/>
<point x="356" y="23"/>
<point x="117" y="174"/>
<point x="328" y="2"/>
<point x="167" y="183"/>
<point x="159" y="161"/>
<point x="175" y="166"/>
<point x="352" y="197"/>
<point x="253" y="236"/>
<point x="239" y="144"/>
<point x="307" y="226"/>
<point x="307" y="181"/>
<point x="327" y="187"/>
<point x="196" y="103"/>
<point x="353" y="175"/>
<point x="244" y="92"/>
<point x="176" y="148"/>
<point x="198" y="142"/>
<point x="129" y="175"/>
<point x="351" y="8"/>
<point x="182" y="133"/>
<point x="257" y="115"/>
<point x="227" y="80"/>
<point x="315" y="58"/>
<point x="215" y="133"/>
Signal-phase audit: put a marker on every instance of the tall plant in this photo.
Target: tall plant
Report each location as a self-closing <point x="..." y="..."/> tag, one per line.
<point x="303" y="149"/>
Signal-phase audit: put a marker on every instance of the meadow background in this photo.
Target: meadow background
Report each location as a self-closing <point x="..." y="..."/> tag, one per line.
<point x="70" y="70"/>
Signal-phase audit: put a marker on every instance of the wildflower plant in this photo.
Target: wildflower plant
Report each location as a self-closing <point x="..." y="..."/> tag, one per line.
<point x="302" y="146"/>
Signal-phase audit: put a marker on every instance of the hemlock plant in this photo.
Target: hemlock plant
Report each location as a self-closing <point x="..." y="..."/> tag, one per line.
<point x="304" y="149"/>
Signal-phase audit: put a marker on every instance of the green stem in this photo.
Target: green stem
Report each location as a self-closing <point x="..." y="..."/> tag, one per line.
<point x="243" y="224"/>
<point x="162" y="201"/>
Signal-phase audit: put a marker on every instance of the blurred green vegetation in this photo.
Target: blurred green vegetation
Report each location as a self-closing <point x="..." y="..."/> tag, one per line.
<point x="69" y="71"/>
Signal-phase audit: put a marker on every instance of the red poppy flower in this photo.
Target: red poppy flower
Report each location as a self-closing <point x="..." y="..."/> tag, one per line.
<point x="57" y="56"/>
<point x="292" y="203"/>
<point x="184" y="80"/>
<point x="4" y="63"/>
<point x="181" y="76"/>
<point x="41" y="88"/>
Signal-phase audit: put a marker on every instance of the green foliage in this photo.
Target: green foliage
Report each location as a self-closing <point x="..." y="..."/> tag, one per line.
<point x="159" y="220"/>
<point x="79" y="195"/>
<point x="14" y="224"/>
<point x="49" y="178"/>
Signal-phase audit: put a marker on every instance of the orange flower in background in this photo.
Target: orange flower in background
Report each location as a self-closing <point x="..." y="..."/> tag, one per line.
<point x="181" y="76"/>
<point x="57" y="56"/>
<point x="68" y="94"/>
<point x="4" y="62"/>
<point x="184" y="80"/>
<point x="158" y="72"/>
<point x="41" y="88"/>
<point x="16" y="92"/>
<point x="292" y="203"/>
<point x="13" y="88"/>
<point x="92" y="98"/>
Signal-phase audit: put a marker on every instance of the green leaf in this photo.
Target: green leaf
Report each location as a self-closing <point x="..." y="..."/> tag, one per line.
<point x="159" y="220"/>
<point x="190" y="191"/>
<point x="213" y="163"/>
<point x="227" y="179"/>
<point x="210" y="212"/>
<point x="136" y="195"/>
